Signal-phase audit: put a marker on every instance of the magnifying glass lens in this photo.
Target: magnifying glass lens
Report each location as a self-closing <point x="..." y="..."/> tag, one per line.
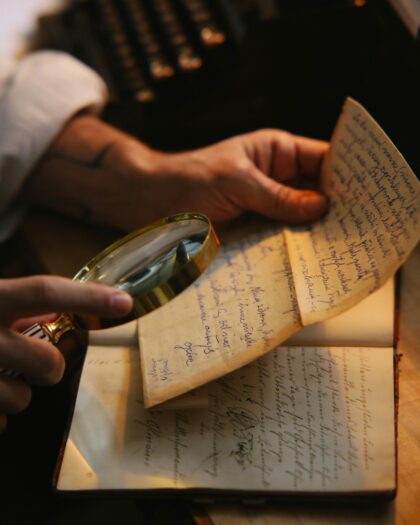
<point x="154" y="264"/>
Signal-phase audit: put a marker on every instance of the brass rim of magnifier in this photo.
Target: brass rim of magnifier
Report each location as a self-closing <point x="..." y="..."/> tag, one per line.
<point x="179" y="281"/>
<point x="154" y="298"/>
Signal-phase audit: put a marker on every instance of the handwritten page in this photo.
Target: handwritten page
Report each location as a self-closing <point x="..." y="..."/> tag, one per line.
<point x="238" y="310"/>
<point x="372" y="226"/>
<point x="126" y="335"/>
<point x="247" y="304"/>
<point x="301" y="419"/>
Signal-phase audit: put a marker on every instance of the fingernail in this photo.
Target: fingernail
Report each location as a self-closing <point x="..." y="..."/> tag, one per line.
<point x="315" y="204"/>
<point x="121" y="303"/>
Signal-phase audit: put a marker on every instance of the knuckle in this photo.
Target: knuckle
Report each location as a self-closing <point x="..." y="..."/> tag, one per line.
<point x="287" y="143"/>
<point x="273" y="135"/>
<point x="241" y="167"/>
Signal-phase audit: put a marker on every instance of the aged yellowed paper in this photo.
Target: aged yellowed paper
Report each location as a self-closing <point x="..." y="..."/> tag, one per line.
<point x="372" y="226"/>
<point x="241" y="308"/>
<point x="301" y="419"/>
<point x="267" y="282"/>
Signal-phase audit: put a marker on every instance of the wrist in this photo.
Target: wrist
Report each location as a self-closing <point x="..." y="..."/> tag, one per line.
<point x="185" y="166"/>
<point x="90" y="141"/>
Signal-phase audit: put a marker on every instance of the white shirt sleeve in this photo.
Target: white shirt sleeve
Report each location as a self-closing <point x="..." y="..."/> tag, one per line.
<point x="43" y="92"/>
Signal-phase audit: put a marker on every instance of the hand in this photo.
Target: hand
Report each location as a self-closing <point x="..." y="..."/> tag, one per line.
<point x="100" y="174"/>
<point x="267" y="171"/>
<point x="39" y="362"/>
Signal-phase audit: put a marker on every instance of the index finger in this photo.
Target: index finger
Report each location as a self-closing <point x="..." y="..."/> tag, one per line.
<point x="44" y="294"/>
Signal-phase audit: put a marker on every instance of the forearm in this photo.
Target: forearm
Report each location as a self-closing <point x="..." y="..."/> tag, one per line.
<point x="94" y="172"/>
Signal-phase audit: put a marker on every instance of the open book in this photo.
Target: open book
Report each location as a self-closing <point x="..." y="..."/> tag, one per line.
<point x="304" y="420"/>
<point x="314" y="416"/>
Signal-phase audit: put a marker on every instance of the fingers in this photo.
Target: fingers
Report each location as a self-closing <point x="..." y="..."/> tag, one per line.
<point x="39" y="361"/>
<point x="43" y="294"/>
<point x="277" y="156"/>
<point x="283" y="203"/>
<point x="283" y="156"/>
<point x="295" y="156"/>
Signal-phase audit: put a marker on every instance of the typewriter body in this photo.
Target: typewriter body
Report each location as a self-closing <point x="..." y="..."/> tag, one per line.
<point x="184" y="73"/>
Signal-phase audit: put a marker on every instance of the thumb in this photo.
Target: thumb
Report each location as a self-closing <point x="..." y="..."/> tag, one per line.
<point x="281" y="202"/>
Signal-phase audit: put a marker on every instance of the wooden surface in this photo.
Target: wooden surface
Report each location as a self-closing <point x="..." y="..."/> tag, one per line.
<point x="61" y="245"/>
<point x="64" y="247"/>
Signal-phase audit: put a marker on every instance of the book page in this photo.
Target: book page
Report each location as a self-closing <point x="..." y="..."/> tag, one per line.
<point x="372" y="225"/>
<point x="301" y="420"/>
<point x="368" y="323"/>
<point x="126" y="335"/>
<point x="239" y="309"/>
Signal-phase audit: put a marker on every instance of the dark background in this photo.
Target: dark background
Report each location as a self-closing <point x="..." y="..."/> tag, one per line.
<point x="291" y="70"/>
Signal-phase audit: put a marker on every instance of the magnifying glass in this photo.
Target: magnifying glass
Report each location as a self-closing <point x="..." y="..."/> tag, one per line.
<point x="153" y="264"/>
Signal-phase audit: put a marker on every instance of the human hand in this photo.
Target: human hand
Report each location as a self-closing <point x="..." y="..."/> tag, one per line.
<point x="99" y="174"/>
<point x="37" y="361"/>
<point x="268" y="171"/>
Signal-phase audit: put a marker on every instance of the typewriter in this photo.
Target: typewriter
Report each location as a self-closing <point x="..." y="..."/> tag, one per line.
<point x="156" y="52"/>
<point x="184" y="73"/>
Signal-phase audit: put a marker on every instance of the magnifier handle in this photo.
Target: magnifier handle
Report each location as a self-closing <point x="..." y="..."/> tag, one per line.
<point x="65" y="335"/>
<point x="52" y="331"/>
<point x="36" y="331"/>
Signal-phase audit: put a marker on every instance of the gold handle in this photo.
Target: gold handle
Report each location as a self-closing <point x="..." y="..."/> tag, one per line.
<point x="72" y="346"/>
<point x="52" y="331"/>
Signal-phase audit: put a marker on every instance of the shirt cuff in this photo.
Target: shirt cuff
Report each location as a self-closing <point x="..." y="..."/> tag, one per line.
<point x="46" y="89"/>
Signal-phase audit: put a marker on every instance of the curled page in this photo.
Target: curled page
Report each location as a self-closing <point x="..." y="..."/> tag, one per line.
<point x="372" y="225"/>
<point x="267" y="283"/>
<point x="238" y="310"/>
